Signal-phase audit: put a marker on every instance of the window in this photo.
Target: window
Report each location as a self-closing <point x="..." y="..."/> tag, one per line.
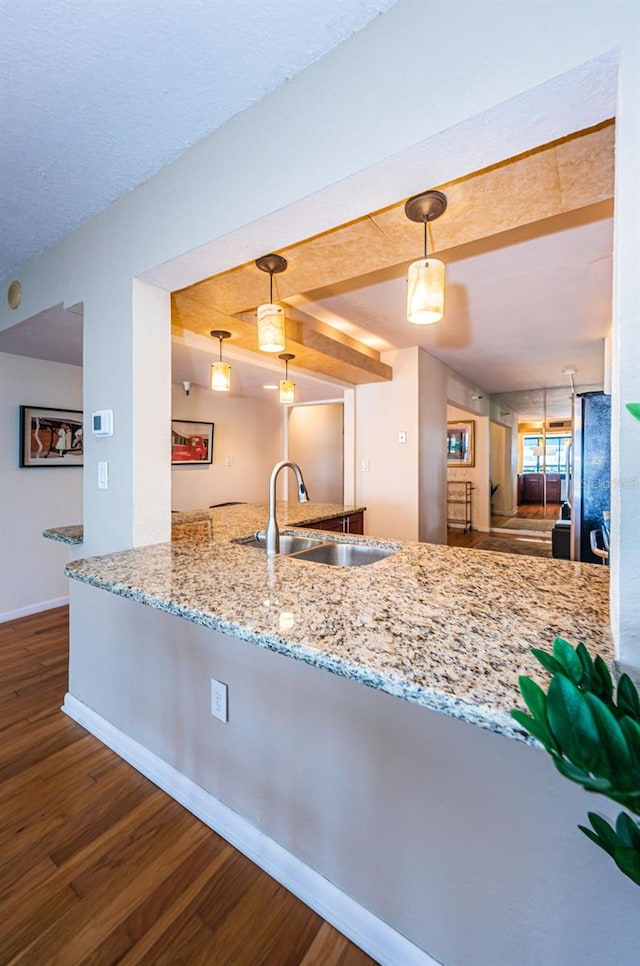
<point x="535" y="459"/>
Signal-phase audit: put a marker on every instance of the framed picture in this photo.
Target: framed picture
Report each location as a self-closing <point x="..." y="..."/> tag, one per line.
<point x="50" y="437"/>
<point x="461" y="443"/>
<point x="191" y="442"/>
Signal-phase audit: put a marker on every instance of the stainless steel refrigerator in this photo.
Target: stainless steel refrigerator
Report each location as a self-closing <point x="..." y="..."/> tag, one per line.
<point x="590" y="473"/>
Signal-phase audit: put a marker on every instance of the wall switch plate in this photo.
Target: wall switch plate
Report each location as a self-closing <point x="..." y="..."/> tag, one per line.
<point x="229" y="461"/>
<point x="103" y="475"/>
<point x="219" y="704"/>
<point x="402" y="437"/>
<point x="364" y="466"/>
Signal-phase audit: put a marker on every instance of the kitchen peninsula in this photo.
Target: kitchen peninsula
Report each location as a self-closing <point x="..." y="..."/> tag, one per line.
<point x="409" y="796"/>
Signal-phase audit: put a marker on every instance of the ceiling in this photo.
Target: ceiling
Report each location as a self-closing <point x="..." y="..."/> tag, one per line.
<point x="96" y="96"/>
<point x="528" y="249"/>
<point x="516" y="314"/>
<point x="527" y="295"/>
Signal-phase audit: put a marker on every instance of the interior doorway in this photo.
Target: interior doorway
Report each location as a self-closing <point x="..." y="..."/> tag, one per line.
<point x="315" y="441"/>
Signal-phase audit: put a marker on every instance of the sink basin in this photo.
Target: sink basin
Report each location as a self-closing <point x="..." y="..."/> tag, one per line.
<point x="334" y="553"/>
<point x="288" y="543"/>
<point x="344" y="554"/>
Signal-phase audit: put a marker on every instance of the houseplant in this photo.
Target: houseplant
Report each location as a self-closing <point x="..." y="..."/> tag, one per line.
<point x="593" y="737"/>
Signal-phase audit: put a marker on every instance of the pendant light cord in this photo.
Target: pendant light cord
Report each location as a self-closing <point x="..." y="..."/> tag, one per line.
<point x="425" y="240"/>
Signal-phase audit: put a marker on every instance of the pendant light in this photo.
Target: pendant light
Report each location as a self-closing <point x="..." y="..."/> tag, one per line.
<point x="220" y="371"/>
<point x="270" y="316"/>
<point x="287" y="392"/>
<point x="425" y="293"/>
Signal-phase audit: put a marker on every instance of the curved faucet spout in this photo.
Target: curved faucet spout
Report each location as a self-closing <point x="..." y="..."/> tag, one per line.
<point x="273" y="533"/>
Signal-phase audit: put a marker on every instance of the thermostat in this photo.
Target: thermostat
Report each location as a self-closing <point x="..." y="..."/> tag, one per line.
<point x="102" y="423"/>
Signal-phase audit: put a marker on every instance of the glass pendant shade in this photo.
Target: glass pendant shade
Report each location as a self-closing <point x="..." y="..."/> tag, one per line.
<point x="271" y="327"/>
<point x="221" y="377"/>
<point x="425" y="291"/>
<point x="287" y="391"/>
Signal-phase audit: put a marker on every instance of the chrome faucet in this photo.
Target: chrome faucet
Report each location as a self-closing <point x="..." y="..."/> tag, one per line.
<point x="273" y="534"/>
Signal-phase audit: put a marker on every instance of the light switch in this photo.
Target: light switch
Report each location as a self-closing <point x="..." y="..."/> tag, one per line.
<point x="402" y="437"/>
<point x="103" y="475"/>
<point x="364" y="466"/>
<point x="229" y="461"/>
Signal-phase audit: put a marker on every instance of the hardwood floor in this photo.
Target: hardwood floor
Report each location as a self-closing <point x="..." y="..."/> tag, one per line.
<point x="531" y="511"/>
<point x="99" y="866"/>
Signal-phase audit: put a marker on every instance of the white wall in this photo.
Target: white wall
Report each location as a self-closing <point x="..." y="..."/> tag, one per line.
<point x="248" y="432"/>
<point x="386" y="470"/>
<point x="315" y="443"/>
<point x="477" y="475"/>
<point x="31" y="568"/>
<point x="404" y="488"/>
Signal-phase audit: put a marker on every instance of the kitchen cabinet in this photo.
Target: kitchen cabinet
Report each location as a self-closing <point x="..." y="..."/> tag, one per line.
<point x="349" y="523"/>
<point x="531" y="487"/>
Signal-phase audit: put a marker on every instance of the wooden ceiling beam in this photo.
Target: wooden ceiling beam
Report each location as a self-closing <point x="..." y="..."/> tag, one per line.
<point x="572" y="173"/>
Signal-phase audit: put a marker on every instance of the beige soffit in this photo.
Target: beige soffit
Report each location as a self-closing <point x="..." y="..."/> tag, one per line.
<point x="557" y="178"/>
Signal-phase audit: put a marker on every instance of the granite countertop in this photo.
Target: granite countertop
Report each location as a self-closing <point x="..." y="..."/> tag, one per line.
<point x="445" y="627"/>
<point x="253" y="515"/>
<point x="72" y="535"/>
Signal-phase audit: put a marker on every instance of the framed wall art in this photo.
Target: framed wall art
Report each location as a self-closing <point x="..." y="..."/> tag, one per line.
<point x="461" y="443"/>
<point x="50" y="437"/>
<point x="191" y="442"/>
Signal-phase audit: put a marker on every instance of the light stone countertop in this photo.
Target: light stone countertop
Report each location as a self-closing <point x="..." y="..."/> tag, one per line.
<point x="445" y="627"/>
<point x="72" y="535"/>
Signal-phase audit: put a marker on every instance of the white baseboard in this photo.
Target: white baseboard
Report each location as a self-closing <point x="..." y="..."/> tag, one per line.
<point x="375" y="937"/>
<point x="13" y="615"/>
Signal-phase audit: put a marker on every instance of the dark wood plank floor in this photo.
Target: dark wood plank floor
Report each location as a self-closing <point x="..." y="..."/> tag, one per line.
<point x="99" y="866"/>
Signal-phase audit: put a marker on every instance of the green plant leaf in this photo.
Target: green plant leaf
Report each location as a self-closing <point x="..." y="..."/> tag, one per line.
<point x="628" y="698"/>
<point x="628" y="861"/>
<point x="567" y="657"/>
<point x="572" y="724"/>
<point x="587" y="665"/>
<point x="589" y="783"/>
<point x="634" y="409"/>
<point x="628" y="831"/>
<point x="605" y="832"/>
<point x="534" y="696"/>
<point x="615" y="759"/>
<point x="596" y="838"/>
<point x="602" y="673"/>
<point x="537" y="728"/>
<point x="548" y="662"/>
<point x="536" y="701"/>
<point x="631" y="732"/>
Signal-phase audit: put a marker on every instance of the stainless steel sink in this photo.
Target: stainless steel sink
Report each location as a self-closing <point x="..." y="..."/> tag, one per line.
<point x="334" y="553"/>
<point x="288" y="543"/>
<point x="344" y="554"/>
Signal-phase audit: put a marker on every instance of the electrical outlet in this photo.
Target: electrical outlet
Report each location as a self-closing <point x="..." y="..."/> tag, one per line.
<point x="219" y="692"/>
<point x="402" y="437"/>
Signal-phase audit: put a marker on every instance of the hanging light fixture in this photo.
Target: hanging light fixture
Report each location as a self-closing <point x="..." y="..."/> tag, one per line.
<point x="270" y="316"/>
<point x="425" y="293"/>
<point x="220" y="371"/>
<point x="287" y="387"/>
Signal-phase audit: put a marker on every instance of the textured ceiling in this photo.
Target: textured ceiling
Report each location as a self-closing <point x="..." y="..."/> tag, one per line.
<point x="97" y="95"/>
